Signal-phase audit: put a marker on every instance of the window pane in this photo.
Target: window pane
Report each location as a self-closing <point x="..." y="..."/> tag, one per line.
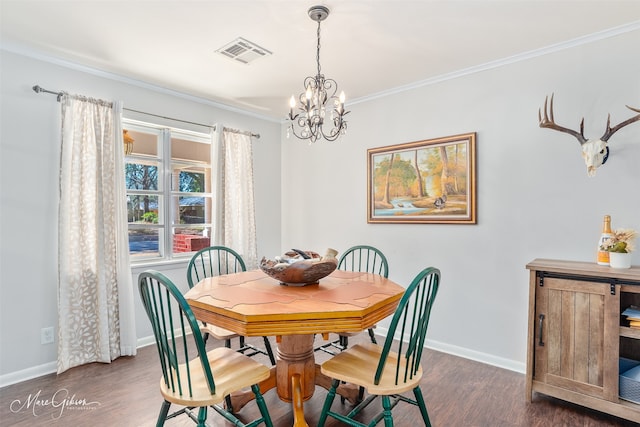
<point x="191" y="209"/>
<point x="143" y="143"/>
<point x="190" y="239"/>
<point x="191" y="179"/>
<point x="143" y="208"/>
<point x="194" y="151"/>
<point x="142" y="175"/>
<point x="143" y="242"/>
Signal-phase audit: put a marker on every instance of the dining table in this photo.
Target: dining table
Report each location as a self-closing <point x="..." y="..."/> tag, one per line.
<point x="252" y="304"/>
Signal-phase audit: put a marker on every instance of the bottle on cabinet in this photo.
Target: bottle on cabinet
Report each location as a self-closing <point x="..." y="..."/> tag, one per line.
<point x="603" y="256"/>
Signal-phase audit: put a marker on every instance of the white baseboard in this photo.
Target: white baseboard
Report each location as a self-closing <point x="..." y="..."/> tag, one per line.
<point x="51" y="367"/>
<point x="143" y="342"/>
<point x="27" y="374"/>
<point x="512" y="365"/>
<point x="489" y="359"/>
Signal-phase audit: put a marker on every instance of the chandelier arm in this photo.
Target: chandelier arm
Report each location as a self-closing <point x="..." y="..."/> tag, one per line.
<point x="330" y="84"/>
<point x="312" y="137"/>
<point x="333" y="135"/>
<point x="293" y="130"/>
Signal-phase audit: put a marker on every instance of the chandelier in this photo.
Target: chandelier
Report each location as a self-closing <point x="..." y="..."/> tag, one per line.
<point x="318" y="101"/>
<point x="128" y="142"/>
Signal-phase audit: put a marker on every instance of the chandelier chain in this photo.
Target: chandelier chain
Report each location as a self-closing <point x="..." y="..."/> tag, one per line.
<point x="318" y="50"/>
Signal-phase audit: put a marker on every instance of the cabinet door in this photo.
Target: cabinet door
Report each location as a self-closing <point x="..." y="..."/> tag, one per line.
<point x="576" y="336"/>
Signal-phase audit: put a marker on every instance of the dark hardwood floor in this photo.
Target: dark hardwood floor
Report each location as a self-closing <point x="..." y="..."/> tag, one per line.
<point x="458" y="392"/>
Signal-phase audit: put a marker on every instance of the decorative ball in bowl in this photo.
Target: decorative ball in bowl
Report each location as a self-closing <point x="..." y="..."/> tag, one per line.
<point x="300" y="268"/>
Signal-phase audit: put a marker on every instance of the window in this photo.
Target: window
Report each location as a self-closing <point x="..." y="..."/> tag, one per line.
<point x="169" y="199"/>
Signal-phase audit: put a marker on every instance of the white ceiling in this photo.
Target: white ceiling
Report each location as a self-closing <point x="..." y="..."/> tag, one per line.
<point x="369" y="47"/>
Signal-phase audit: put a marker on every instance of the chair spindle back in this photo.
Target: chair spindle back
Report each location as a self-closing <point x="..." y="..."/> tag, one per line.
<point x="213" y="261"/>
<point x="364" y="258"/>
<point x="410" y="322"/>
<point x="178" y="337"/>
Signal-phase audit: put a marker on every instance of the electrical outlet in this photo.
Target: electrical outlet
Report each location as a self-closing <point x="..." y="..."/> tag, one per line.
<point x="46" y="335"/>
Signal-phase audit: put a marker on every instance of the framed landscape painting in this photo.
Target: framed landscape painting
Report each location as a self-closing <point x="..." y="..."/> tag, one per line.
<point x="430" y="181"/>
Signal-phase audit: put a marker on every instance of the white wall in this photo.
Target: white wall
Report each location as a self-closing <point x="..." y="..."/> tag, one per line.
<point x="29" y="194"/>
<point x="534" y="197"/>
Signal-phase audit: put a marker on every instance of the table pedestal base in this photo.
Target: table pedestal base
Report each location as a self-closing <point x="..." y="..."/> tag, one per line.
<point x="295" y="357"/>
<point x="295" y="377"/>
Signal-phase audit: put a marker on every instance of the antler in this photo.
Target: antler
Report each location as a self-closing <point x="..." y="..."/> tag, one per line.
<point x="611" y="130"/>
<point x="548" y="122"/>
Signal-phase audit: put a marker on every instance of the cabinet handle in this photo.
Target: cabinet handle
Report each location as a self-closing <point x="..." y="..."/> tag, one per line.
<point x="540" y="342"/>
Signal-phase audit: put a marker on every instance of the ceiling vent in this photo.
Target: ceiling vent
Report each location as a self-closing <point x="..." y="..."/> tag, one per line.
<point x="243" y="51"/>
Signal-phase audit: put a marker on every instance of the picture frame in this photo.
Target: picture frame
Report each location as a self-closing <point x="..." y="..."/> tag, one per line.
<point x="410" y="183"/>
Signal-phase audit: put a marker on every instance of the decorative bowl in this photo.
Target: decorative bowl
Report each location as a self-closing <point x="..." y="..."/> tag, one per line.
<point x="294" y="270"/>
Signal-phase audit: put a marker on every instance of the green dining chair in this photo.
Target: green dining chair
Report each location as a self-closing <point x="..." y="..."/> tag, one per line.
<point x="364" y="258"/>
<point x="216" y="261"/>
<point x="191" y="377"/>
<point x="389" y="370"/>
<point x="361" y="258"/>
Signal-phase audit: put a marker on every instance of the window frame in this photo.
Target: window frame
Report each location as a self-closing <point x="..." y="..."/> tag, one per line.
<point x="165" y="193"/>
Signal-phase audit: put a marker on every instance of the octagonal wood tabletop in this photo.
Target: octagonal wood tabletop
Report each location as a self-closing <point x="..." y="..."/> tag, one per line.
<point x="253" y="304"/>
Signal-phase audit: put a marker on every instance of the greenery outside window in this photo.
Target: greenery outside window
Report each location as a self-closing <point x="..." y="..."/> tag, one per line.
<point x="169" y="199"/>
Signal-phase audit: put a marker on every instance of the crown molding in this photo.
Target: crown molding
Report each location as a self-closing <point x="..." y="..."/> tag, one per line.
<point x="579" y="41"/>
<point x="34" y="54"/>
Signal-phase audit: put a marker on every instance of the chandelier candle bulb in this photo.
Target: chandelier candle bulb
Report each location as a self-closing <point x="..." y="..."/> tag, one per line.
<point x="292" y="104"/>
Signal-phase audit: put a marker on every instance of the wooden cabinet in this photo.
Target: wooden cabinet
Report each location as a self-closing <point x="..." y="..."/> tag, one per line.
<point x="576" y="334"/>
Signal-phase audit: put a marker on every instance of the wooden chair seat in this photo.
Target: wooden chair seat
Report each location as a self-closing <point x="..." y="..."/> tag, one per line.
<point x="357" y="365"/>
<point x="353" y="334"/>
<point x="231" y="370"/>
<point x="218" y="332"/>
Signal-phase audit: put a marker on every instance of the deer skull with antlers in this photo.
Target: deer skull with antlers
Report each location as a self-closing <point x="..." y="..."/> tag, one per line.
<point x="594" y="151"/>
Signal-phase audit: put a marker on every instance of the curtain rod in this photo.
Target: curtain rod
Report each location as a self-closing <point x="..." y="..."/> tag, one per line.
<point x="38" y="89"/>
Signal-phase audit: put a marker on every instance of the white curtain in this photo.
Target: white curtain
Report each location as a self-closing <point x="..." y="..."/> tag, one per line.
<point x="95" y="291"/>
<point x="234" y="223"/>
